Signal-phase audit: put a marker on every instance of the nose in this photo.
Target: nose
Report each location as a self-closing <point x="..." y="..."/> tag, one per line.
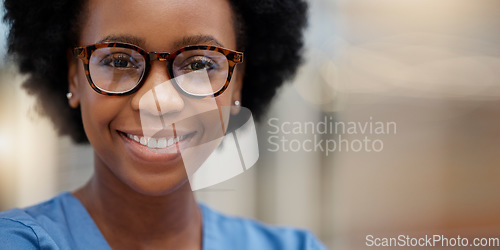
<point x="157" y="96"/>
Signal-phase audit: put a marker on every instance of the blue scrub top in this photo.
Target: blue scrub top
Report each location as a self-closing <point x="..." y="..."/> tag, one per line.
<point x="64" y="223"/>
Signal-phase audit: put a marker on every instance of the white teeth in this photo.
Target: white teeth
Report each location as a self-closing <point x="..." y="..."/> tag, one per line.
<point x="156" y="143"/>
<point x="152" y="143"/>
<point x="162" y="143"/>
<point x="143" y="141"/>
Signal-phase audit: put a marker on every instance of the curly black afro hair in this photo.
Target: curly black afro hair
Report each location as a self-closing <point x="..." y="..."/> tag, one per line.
<point x="269" y="31"/>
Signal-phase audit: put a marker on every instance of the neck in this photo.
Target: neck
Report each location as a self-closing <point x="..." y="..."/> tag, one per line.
<point x="128" y="218"/>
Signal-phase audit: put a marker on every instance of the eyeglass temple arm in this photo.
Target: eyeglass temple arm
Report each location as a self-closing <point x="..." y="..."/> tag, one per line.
<point x="237" y="57"/>
<point x="79" y="52"/>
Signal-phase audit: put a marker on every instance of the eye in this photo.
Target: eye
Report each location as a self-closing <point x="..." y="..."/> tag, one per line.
<point x="119" y="61"/>
<point x="198" y="63"/>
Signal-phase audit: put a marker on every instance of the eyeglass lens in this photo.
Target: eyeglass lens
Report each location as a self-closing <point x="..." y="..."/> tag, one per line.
<point x="118" y="70"/>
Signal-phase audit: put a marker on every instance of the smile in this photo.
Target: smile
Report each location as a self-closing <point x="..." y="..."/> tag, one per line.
<point x="157" y="143"/>
<point x="160" y="147"/>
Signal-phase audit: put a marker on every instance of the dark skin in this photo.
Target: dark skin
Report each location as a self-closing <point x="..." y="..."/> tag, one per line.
<point x="136" y="202"/>
<point x="129" y="220"/>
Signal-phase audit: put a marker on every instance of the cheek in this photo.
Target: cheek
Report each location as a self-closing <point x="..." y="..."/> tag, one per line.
<point x="224" y="106"/>
<point x="98" y="111"/>
<point x="223" y="101"/>
<point x="226" y="98"/>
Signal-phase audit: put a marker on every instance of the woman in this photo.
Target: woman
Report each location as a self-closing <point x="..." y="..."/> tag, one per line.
<point x="120" y="63"/>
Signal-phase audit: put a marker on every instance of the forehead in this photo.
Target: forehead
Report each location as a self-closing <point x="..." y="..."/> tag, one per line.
<point x="159" y="25"/>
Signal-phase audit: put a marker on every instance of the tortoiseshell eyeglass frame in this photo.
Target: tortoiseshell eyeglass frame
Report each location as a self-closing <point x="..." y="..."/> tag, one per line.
<point x="84" y="53"/>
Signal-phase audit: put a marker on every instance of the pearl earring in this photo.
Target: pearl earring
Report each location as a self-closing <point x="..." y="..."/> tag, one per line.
<point x="237" y="103"/>
<point x="69" y="95"/>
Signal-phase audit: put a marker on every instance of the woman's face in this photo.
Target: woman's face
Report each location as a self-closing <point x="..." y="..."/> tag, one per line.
<point x="110" y="121"/>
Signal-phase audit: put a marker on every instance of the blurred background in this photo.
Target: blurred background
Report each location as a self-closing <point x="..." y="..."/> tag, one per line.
<point x="430" y="67"/>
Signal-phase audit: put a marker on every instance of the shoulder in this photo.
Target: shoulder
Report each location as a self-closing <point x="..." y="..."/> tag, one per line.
<point x="43" y="226"/>
<point x="228" y="232"/>
<point x="14" y="234"/>
<point x="20" y="230"/>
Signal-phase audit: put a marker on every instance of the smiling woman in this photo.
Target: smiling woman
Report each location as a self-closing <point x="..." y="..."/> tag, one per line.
<point x="143" y="81"/>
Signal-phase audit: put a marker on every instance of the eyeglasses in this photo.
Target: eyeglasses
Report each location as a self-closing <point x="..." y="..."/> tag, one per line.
<point x="198" y="71"/>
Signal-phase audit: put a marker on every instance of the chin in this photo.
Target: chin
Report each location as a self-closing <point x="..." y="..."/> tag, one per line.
<point x="157" y="186"/>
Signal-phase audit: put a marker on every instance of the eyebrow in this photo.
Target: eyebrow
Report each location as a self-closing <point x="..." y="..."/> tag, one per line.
<point x="198" y="40"/>
<point x="123" y="39"/>
<point x="185" y="41"/>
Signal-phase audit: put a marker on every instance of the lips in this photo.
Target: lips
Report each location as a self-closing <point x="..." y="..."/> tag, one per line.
<point x="158" y="148"/>
<point x="154" y="143"/>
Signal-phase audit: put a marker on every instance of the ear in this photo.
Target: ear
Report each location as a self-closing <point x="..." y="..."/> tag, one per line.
<point x="238" y="86"/>
<point x="73" y="64"/>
